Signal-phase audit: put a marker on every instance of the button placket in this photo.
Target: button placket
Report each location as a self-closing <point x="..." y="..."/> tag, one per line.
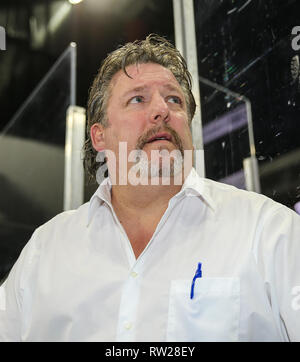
<point x="128" y="308"/>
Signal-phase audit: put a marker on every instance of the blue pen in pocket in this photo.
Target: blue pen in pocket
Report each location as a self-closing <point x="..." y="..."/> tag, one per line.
<point x="198" y="274"/>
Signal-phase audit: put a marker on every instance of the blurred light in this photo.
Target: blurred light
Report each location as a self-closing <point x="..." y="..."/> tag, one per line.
<point x="297" y="207"/>
<point x="225" y="124"/>
<point x="74" y="2"/>
<point x="39" y="33"/>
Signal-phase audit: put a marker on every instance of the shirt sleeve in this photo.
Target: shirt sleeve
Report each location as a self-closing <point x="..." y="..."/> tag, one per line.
<point x="11" y="294"/>
<point x="9" y="311"/>
<point x="278" y="258"/>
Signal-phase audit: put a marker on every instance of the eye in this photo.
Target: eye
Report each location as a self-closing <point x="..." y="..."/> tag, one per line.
<point x="136" y="99"/>
<point x="174" y="99"/>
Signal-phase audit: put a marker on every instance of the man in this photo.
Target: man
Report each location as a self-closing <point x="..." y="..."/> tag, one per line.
<point x="158" y="254"/>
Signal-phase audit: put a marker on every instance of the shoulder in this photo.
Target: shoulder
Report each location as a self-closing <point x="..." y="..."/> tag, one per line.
<point x="61" y="228"/>
<point x="66" y="219"/>
<point x="237" y="202"/>
<point x="269" y="226"/>
<point x="54" y="235"/>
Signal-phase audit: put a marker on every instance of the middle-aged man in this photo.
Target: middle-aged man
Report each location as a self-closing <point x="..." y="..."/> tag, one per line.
<point x="158" y="254"/>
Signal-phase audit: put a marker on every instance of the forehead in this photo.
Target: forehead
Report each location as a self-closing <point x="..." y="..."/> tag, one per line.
<point x="144" y="74"/>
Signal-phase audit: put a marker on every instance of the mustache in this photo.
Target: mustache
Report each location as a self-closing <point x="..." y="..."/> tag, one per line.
<point x="176" y="140"/>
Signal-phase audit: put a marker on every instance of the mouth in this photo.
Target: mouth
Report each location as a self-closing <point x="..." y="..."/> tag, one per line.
<point x="160" y="137"/>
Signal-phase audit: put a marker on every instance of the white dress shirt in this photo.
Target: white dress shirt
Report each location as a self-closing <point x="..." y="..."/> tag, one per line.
<point x="77" y="279"/>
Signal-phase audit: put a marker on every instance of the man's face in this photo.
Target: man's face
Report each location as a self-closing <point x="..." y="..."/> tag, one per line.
<point x="148" y="111"/>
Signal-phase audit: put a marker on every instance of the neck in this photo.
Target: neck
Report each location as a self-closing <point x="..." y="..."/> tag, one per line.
<point x="140" y="208"/>
<point x="142" y="199"/>
<point x="149" y="198"/>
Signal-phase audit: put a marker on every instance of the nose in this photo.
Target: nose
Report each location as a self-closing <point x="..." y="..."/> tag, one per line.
<point x="159" y="110"/>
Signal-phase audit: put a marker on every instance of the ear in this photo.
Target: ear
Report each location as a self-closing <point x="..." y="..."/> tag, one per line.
<point x="97" y="137"/>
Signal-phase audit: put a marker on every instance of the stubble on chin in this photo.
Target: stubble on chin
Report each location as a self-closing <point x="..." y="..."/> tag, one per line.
<point x="161" y="164"/>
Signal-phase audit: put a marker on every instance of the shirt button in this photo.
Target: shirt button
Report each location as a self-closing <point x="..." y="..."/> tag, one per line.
<point x="133" y="274"/>
<point x="127" y="325"/>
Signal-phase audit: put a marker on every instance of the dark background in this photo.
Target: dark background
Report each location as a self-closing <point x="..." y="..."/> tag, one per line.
<point x="246" y="47"/>
<point x="97" y="26"/>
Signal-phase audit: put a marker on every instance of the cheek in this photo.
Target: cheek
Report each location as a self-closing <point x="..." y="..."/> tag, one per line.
<point x="126" y="134"/>
<point x="182" y="127"/>
<point x="188" y="139"/>
<point x="189" y="132"/>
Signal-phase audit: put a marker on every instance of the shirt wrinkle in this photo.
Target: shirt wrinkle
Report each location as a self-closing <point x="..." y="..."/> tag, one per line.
<point x="74" y="284"/>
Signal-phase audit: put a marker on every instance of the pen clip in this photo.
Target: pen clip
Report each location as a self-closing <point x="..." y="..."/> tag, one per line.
<point x="198" y="274"/>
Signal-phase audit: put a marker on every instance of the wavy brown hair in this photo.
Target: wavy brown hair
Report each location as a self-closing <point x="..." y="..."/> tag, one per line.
<point x="154" y="49"/>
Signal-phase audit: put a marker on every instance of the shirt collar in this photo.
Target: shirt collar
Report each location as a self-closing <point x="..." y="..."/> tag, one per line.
<point x="102" y="194"/>
<point x="194" y="185"/>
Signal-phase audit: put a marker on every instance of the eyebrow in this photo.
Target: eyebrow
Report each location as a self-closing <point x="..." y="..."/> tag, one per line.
<point x="173" y="88"/>
<point x="134" y="90"/>
<point x="138" y="89"/>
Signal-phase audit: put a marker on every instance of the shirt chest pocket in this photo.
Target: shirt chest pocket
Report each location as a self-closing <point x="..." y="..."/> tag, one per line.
<point x="212" y="314"/>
